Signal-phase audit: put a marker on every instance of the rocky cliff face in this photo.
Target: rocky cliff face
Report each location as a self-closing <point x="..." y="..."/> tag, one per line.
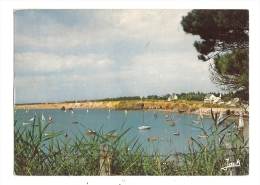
<point x="130" y="106"/>
<point x="122" y="105"/>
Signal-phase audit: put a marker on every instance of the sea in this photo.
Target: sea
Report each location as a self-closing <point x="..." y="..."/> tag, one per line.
<point x="106" y="120"/>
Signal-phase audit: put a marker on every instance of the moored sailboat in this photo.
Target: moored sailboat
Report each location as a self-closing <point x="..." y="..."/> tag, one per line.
<point x="202" y="136"/>
<point x="144" y="127"/>
<point x="43" y="118"/>
<point x="198" y="119"/>
<point x="151" y="138"/>
<point x="91" y="132"/>
<point x="50" y="118"/>
<point x="32" y="119"/>
<point x="240" y="121"/>
<point x="108" y="114"/>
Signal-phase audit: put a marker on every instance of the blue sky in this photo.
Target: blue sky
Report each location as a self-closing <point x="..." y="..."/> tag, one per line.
<point x="66" y="55"/>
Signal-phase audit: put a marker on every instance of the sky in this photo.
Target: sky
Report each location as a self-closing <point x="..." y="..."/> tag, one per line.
<point x="74" y="55"/>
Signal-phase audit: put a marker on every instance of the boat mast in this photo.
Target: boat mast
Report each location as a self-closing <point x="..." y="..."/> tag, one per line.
<point x="143" y="117"/>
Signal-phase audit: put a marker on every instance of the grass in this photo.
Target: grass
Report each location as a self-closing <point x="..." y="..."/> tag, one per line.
<point x="37" y="154"/>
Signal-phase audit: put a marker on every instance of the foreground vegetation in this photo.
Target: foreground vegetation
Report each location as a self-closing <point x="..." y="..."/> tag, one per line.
<point x="37" y="154"/>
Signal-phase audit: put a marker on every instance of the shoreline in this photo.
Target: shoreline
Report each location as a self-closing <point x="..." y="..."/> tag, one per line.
<point x="194" y="109"/>
<point x="204" y="110"/>
<point x="182" y="106"/>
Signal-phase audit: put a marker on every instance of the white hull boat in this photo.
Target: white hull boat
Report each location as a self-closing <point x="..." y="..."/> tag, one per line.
<point x="200" y="117"/>
<point x="144" y="127"/>
<point x="27" y="123"/>
<point x="240" y="121"/>
<point x="32" y="119"/>
<point x="43" y="118"/>
<point x="202" y="136"/>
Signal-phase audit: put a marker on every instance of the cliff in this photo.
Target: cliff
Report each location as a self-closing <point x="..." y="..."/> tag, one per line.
<point x="120" y="105"/>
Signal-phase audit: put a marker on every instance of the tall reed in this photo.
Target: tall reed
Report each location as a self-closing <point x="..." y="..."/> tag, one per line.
<point x="209" y="158"/>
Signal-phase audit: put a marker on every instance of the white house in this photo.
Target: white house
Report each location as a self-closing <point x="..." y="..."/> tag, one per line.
<point x="209" y="98"/>
<point x="173" y="97"/>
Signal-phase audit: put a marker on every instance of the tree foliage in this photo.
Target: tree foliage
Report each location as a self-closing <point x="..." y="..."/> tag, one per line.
<point x="220" y="30"/>
<point x="231" y="72"/>
<point x="225" y="39"/>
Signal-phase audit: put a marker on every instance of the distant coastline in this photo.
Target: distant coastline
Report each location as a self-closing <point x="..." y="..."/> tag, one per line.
<point x="193" y="107"/>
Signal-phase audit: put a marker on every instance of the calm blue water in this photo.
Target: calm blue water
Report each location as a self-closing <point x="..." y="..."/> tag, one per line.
<point x="94" y="119"/>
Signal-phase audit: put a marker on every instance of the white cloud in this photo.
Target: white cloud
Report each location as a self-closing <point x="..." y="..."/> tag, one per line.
<point x="151" y="73"/>
<point x="105" y="53"/>
<point x="105" y="26"/>
<point x="38" y="62"/>
<point x="166" y="73"/>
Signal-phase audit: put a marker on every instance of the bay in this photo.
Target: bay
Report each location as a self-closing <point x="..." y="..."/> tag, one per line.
<point x="82" y="120"/>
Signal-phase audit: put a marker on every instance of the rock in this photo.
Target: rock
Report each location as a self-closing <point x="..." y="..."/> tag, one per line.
<point x="125" y="105"/>
<point x="193" y="109"/>
<point x="130" y="106"/>
<point x="62" y="108"/>
<point x="228" y="112"/>
<point x="138" y="106"/>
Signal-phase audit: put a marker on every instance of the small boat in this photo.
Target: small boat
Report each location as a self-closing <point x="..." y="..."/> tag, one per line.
<point x="154" y="115"/>
<point x="144" y="127"/>
<point x="240" y="121"/>
<point x="35" y="124"/>
<point x="74" y="122"/>
<point x="172" y="124"/>
<point x="91" y="132"/>
<point x="202" y="136"/>
<point x="151" y="138"/>
<point x="125" y="111"/>
<point x="66" y="135"/>
<point x="32" y="119"/>
<point x="220" y="118"/>
<point x="50" y="118"/>
<point x="27" y="123"/>
<point x="113" y="135"/>
<point x="176" y="133"/>
<point x="49" y="134"/>
<point x="200" y="116"/>
<point x="43" y="118"/>
<point x="108" y="114"/>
